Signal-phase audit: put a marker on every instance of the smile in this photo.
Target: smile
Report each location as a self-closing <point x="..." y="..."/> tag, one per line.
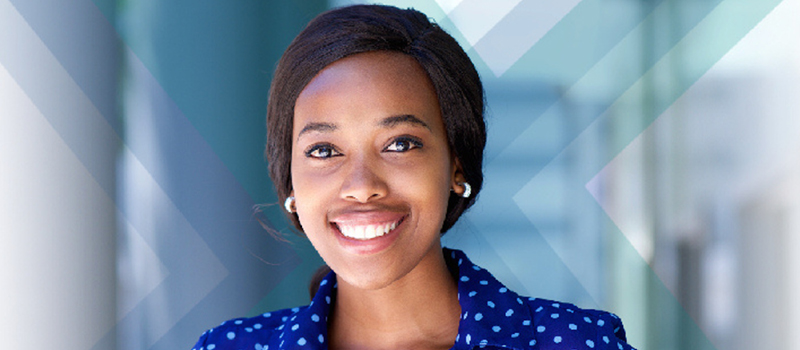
<point x="365" y="232"/>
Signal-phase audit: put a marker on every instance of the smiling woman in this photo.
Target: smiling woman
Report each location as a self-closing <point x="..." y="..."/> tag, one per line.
<point x="375" y="141"/>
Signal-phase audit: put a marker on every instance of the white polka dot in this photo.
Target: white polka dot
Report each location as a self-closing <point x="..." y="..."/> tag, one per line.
<point x="532" y="343"/>
<point x="519" y="301"/>
<point x="540" y="329"/>
<point x="324" y="282"/>
<point x="259" y="346"/>
<point x="490" y="303"/>
<point x="321" y="338"/>
<point x="248" y="330"/>
<point x="601" y="323"/>
<point x="484" y="282"/>
<point x="476" y="268"/>
<point x="619" y="346"/>
<point x="539" y="309"/>
<point x="503" y="290"/>
<point x="460" y="261"/>
<point x="554" y="316"/>
<point x="526" y="323"/>
<point x="556" y="305"/>
<point x="509" y="313"/>
<point x="257" y="326"/>
<point x="211" y="347"/>
<point x="457" y="336"/>
<point x="284" y="318"/>
<point x="295" y="309"/>
<point x="605" y="339"/>
<point x="590" y="343"/>
<point x="464" y="278"/>
<point x="587" y="319"/>
<point x="478" y="316"/>
<point x="557" y="339"/>
<point x="328" y="299"/>
<point x="472" y="293"/>
<point x="301" y="341"/>
<point x="231" y="335"/>
<point x="238" y="322"/>
<point x="268" y="314"/>
<point x="496" y="329"/>
<point x="514" y="335"/>
<point x="295" y="327"/>
<point x="315" y="318"/>
<point x="468" y="338"/>
<point x="573" y="326"/>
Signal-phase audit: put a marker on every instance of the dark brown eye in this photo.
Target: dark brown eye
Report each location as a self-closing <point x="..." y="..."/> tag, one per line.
<point x="322" y="151"/>
<point x="403" y="144"/>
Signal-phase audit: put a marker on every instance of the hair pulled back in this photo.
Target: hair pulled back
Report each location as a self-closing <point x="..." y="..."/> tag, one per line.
<point x="345" y="31"/>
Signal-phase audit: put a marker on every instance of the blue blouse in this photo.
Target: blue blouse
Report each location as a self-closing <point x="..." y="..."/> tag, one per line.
<point x="492" y="317"/>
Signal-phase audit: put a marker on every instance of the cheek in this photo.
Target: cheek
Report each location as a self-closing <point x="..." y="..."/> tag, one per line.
<point x="428" y="183"/>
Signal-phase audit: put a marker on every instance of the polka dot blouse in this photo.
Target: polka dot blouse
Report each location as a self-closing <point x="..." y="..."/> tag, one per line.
<point x="492" y="317"/>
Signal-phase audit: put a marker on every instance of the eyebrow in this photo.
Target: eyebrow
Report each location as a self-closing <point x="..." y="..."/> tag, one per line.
<point x="318" y="127"/>
<point x="393" y="121"/>
<point x="388" y="122"/>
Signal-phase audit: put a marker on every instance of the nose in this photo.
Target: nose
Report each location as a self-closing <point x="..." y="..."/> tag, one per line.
<point x="362" y="183"/>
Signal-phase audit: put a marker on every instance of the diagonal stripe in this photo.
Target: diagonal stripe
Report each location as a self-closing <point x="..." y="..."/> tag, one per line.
<point x="194" y="244"/>
<point x="508" y="41"/>
<point x="551" y="122"/>
<point x="475" y="18"/>
<point x="726" y="24"/>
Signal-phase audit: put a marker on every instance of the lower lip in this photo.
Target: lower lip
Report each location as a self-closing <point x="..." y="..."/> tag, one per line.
<point x="368" y="246"/>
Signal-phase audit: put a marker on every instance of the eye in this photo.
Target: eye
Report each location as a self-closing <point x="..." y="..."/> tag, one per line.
<point x="403" y="144"/>
<point x="322" y="151"/>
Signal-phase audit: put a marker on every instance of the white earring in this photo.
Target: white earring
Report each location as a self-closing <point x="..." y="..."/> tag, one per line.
<point x="467" y="190"/>
<point x="289" y="204"/>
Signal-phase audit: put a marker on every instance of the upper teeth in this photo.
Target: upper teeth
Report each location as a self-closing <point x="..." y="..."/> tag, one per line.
<point x="366" y="232"/>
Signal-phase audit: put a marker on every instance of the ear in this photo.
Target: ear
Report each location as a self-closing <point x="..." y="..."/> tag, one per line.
<point x="457" y="178"/>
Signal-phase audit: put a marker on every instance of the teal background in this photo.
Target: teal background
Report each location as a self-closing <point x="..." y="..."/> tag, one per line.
<point x="640" y="160"/>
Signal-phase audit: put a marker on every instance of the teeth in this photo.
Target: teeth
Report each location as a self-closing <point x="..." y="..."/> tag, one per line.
<point x="366" y="232"/>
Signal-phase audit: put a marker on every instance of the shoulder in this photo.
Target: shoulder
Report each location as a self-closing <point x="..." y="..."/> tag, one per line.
<point x="564" y="325"/>
<point x="251" y="333"/>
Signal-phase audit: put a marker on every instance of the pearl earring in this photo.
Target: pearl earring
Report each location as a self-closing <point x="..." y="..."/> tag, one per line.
<point x="467" y="190"/>
<point x="289" y="204"/>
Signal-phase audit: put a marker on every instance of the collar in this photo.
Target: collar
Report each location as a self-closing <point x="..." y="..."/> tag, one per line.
<point x="491" y="315"/>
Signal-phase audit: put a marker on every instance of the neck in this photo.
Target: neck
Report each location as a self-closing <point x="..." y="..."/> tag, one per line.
<point x="419" y="311"/>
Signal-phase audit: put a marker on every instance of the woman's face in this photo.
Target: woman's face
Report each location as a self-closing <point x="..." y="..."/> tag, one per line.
<point x="371" y="167"/>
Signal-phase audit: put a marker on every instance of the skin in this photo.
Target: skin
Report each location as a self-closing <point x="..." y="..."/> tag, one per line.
<point x="370" y="148"/>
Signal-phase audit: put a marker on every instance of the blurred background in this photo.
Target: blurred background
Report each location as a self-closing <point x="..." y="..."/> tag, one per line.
<point x="642" y="158"/>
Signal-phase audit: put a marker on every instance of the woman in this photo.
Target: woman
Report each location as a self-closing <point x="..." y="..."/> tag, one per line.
<point x="375" y="141"/>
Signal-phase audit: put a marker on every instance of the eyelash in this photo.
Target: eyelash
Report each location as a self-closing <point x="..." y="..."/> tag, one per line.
<point x="413" y="143"/>
<point x="322" y="147"/>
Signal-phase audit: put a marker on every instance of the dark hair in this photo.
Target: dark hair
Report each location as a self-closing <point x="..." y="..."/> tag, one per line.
<point x="345" y="31"/>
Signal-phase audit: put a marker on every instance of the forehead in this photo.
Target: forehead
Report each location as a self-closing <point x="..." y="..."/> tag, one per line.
<point x="368" y="86"/>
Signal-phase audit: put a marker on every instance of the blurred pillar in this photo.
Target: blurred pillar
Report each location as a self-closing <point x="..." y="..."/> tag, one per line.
<point x="58" y="69"/>
<point x="191" y="254"/>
